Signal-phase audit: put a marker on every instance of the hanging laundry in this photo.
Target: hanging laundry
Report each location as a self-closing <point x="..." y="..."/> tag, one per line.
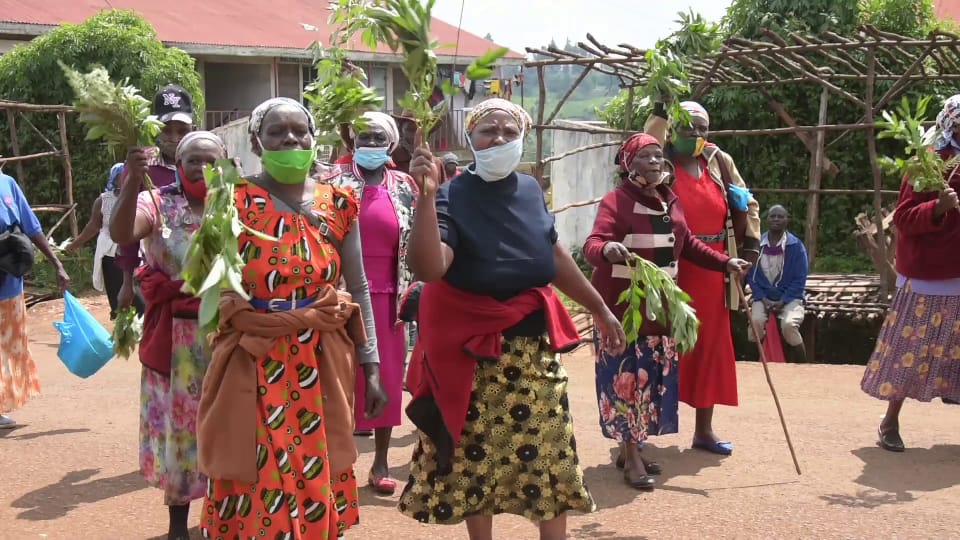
<point x="495" y="88"/>
<point x="507" y="89"/>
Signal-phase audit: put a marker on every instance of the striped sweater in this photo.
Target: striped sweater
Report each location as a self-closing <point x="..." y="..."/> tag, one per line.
<point x="651" y="226"/>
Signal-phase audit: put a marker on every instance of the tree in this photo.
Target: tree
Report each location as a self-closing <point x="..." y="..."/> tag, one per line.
<point x="120" y="41"/>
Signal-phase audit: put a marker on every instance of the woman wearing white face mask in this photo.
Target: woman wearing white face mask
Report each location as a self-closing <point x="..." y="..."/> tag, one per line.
<point x="387" y="201"/>
<point x="489" y="394"/>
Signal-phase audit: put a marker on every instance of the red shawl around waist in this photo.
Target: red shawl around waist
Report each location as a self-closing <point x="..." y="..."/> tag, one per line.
<point x="164" y="301"/>
<point x="458" y="328"/>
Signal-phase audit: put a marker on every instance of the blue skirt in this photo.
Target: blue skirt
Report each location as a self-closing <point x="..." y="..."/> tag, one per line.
<point x="637" y="392"/>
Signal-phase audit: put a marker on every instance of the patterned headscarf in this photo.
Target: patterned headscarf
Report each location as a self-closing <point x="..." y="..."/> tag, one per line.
<point x="258" y="114"/>
<point x="113" y="180"/>
<point x="695" y="110"/>
<point x="948" y="119"/>
<point x="194" y="136"/>
<point x="484" y="109"/>
<point x="631" y="147"/>
<point x="384" y="121"/>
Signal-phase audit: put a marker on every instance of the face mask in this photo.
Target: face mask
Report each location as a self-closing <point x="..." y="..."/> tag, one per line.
<point x="370" y="159"/>
<point x="497" y="162"/>
<point x="288" y="166"/>
<point x="196" y="190"/>
<point x="689" y="146"/>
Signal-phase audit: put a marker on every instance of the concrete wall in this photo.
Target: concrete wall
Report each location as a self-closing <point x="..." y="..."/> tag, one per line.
<point x="580" y="177"/>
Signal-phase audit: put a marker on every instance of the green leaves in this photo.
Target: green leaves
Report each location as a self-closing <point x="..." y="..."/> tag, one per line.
<point x="404" y="26"/>
<point x="213" y="261"/>
<point x="665" y="302"/>
<point x="337" y="96"/>
<point x="923" y="167"/>
<point x="115" y="113"/>
<point x="127" y="332"/>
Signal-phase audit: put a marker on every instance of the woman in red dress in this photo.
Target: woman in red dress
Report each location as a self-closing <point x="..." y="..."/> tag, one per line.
<point x="704" y="175"/>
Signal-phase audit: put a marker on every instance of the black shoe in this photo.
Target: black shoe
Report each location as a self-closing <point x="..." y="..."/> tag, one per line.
<point x="644" y="483"/>
<point x="890" y="440"/>
<point x="650" y="467"/>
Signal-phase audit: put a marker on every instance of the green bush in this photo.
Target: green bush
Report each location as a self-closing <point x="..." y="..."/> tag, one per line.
<point x="128" y="47"/>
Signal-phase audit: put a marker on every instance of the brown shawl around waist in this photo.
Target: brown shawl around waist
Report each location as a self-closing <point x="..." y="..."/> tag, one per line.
<point x="228" y="418"/>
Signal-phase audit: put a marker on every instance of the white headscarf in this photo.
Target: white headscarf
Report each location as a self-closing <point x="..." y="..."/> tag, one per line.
<point x="948" y="119"/>
<point x="258" y="114"/>
<point x="195" y="136"/>
<point x="384" y="121"/>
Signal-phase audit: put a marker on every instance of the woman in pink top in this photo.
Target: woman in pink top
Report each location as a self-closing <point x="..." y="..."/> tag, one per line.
<point x="387" y="200"/>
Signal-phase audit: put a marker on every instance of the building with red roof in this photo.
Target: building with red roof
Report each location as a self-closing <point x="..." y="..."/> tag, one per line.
<point x="947" y="9"/>
<point x="246" y="50"/>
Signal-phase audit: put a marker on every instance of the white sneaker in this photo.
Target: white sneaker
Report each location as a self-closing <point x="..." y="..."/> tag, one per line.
<point x="7" y="423"/>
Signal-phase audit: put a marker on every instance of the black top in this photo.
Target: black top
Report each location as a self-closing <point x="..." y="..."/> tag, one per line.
<point x="501" y="233"/>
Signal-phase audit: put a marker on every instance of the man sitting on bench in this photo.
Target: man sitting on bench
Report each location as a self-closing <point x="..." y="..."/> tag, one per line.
<point x="778" y="280"/>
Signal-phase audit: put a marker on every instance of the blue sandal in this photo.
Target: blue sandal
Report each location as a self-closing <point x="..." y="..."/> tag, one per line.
<point x="720" y="448"/>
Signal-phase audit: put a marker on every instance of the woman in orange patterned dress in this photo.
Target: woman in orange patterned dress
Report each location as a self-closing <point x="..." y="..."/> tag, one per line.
<point x="297" y="495"/>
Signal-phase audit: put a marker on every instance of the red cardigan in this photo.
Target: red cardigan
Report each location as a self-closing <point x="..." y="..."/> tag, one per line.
<point x="628" y="210"/>
<point x="164" y="301"/>
<point x="927" y="248"/>
<point x="457" y="329"/>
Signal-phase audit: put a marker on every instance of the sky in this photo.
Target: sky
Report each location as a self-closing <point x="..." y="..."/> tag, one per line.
<point x="532" y="23"/>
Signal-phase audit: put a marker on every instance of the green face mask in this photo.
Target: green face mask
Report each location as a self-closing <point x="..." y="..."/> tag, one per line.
<point x="689" y="146"/>
<point x="288" y="166"/>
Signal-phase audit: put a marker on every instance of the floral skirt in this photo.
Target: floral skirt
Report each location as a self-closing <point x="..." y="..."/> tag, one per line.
<point x="517" y="452"/>
<point x="168" y="419"/>
<point x="918" y="350"/>
<point x="637" y="392"/>
<point x="18" y="373"/>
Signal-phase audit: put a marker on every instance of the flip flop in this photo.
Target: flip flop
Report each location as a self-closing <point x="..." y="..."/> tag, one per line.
<point x="718" y="447"/>
<point x="382" y="485"/>
<point x="644" y="483"/>
<point x="7" y="423"/>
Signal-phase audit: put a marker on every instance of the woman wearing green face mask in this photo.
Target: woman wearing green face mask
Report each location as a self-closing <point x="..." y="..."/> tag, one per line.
<point x="708" y="185"/>
<point x="296" y="479"/>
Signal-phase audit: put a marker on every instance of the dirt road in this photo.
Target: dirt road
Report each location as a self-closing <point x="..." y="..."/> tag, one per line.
<point x="71" y="472"/>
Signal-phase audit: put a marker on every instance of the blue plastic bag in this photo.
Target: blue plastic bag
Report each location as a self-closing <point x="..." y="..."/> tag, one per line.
<point x="738" y="197"/>
<point x="85" y="345"/>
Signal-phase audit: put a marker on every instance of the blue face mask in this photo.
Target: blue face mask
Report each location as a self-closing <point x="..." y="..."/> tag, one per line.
<point x="370" y="159"/>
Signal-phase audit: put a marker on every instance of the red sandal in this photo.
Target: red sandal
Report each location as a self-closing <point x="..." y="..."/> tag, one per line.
<point x="382" y="485"/>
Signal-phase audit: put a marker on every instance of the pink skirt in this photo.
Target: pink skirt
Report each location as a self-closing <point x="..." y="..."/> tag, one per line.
<point x="393" y="350"/>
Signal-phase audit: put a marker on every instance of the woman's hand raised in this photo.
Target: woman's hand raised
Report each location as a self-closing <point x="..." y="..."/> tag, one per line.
<point x="423" y="167"/>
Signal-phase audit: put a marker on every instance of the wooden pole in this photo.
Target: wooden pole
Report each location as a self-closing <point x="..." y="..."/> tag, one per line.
<point x="628" y="113"/>
<point x="766" y="371"/>
<point x="816" y="175"/>
<point x="15" y="142"/>
<point x="67" y="171"/>
<point x="886" y="281"/>
<point x="541" y="106"/>
<point x="808" y="141"/>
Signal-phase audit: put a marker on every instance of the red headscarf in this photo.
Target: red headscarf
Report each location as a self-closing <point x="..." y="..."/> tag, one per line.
<point x="631" y="147"/>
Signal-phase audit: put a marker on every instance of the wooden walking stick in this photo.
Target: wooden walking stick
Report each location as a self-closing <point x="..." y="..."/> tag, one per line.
<point x="766" y="370"/>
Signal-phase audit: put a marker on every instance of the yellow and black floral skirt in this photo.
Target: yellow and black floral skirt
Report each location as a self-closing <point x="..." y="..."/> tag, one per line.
<point x="517" y="452"/>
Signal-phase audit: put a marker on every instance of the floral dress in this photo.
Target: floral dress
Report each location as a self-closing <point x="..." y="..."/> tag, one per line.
<point x="297" y="496"/>
<point x="637" y="390"/>
<point x="168" y="403"/>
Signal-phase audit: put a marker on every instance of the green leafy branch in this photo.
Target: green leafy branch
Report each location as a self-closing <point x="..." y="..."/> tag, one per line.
<point x="338" y="95"/>
<point x="213" y="261"/>
<point x="127" y="332"/>
<point x="924" y="168"/>
<point x="404" y="26"/>
<point x="665" y="301"/>
<point x="115" y="113"/>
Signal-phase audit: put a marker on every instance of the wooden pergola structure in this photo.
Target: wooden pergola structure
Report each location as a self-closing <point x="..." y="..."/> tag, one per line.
<point x="875" y="59"/>
<point x="16" y="111"/>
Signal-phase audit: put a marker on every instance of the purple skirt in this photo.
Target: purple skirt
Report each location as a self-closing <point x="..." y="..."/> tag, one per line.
<point x="918" y="351"/>
<point x="393" y="352"/>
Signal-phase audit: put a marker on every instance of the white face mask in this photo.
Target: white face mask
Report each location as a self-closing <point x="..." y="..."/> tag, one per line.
<point x="497" y="162"/>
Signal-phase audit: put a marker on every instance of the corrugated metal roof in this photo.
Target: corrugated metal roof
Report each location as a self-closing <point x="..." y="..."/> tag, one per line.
<point x="273" y="24"/>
